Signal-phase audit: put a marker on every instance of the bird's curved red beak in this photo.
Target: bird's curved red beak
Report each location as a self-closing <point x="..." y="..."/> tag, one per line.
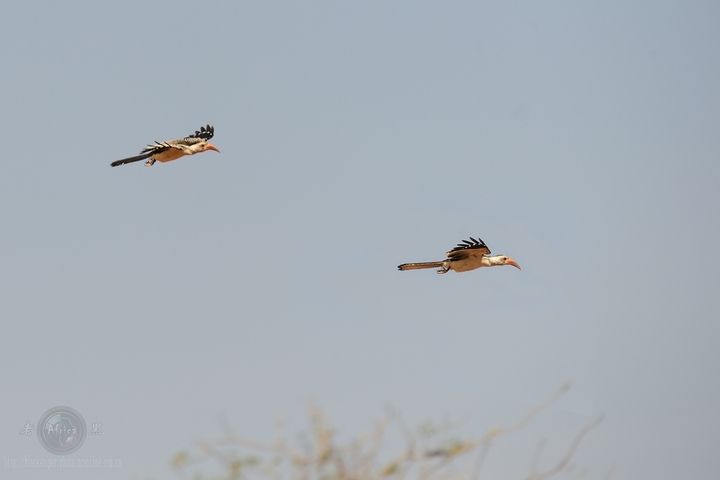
<point x="512" y="262"/>
<point x="210" y="146"/>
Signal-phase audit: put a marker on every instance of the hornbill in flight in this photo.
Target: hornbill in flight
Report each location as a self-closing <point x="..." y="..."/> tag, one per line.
<point x="469" y="255"/>
<point x="174" y="149"/>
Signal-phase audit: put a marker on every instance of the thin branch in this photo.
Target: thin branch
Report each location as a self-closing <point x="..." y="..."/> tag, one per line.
<point x="571" y="451"/>
<point x="539" y="408"/>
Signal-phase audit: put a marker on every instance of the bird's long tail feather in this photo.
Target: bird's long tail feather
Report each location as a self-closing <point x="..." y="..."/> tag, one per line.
<point x="131" y="159"/>
<point x="417" y="266"/>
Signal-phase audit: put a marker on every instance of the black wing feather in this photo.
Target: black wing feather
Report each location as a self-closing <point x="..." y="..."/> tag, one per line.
<point x="206" y="133"/>
<point x="156" y="148"/>
<point x="470" y="244"/>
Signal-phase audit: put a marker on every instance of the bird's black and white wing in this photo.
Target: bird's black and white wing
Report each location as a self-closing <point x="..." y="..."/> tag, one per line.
<point x="468" y="249"/>
<point x="202" y="135"/>
<point x="205" y="133"/>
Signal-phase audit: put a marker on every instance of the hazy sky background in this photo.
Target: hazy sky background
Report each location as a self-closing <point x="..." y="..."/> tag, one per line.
<point x="579" y="138"/>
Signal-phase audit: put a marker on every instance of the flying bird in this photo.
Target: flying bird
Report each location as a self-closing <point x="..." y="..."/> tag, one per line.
<point x="174" y="149"/>
<point x="469" y="255"/>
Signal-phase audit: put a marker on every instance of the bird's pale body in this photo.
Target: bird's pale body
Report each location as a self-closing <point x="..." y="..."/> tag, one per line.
<point x="178" y="150"/>
<point x="467" y="264"/>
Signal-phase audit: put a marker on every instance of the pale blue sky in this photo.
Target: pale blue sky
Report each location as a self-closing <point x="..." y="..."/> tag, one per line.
<point x="579" y="138"/>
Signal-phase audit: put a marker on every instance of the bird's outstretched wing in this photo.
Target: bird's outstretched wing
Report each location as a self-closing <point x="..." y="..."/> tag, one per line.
<point x="469" y="248"/>
<point x="206" y="133"/>
<point x="202" y="135"/>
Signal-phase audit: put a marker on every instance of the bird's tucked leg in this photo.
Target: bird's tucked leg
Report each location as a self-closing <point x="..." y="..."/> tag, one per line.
<point x="149" y="162"/>
<point x="444" y="269"/>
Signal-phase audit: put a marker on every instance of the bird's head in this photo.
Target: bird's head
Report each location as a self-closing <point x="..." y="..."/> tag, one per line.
<point x="210" y="146"/>
<point x="503" y="260"/>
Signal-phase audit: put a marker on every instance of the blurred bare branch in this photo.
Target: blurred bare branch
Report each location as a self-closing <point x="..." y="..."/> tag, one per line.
<point x="433" y="452"/>
<point x="568" y="455"/>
